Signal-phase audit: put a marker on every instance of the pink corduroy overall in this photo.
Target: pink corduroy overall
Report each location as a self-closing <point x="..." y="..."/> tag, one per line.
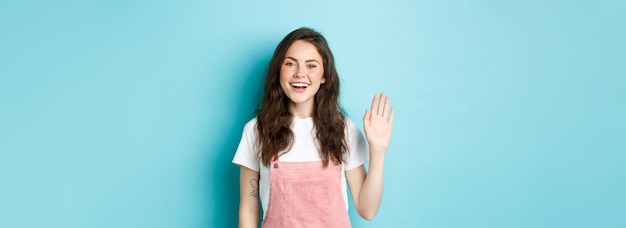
<point x="306" y="194"/>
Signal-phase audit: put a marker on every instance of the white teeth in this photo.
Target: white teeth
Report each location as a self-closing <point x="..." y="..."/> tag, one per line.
<point x="303" y="85"/>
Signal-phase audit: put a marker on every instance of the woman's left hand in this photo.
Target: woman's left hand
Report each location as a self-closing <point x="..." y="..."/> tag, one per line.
<point x="377" y="123"/>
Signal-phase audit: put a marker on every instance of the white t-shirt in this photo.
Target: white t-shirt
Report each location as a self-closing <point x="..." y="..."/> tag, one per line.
<point x="304" y="149"/>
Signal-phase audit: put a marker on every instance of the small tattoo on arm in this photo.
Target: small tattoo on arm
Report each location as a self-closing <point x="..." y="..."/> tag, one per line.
<point x="255" y="188"/>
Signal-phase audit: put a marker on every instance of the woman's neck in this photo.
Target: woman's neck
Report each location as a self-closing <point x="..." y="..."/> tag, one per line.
<point x="302" y="110"/>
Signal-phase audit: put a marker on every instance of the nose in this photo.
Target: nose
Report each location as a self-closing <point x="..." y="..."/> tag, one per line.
<point x="300" y="72"/>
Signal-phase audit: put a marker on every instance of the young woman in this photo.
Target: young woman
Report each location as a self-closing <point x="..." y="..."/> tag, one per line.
<point x="300" y="150"/>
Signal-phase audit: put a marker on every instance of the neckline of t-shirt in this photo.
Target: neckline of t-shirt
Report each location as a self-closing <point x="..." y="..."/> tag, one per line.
<point x="302" y="119"/>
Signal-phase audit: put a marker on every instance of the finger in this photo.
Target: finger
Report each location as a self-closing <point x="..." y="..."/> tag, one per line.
<point x="393" y="111"/>
<point x="374" y="103"/>
<point x="381" y="105"/>
<point x="366" y="117"/>
<point x="386" y="109"/>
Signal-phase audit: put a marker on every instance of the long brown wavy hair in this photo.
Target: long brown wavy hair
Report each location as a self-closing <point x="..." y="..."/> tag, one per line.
<point x="274" y="119"/>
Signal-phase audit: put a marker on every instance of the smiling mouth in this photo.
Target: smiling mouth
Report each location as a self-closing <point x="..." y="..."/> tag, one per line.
<point x="299" y="85"/>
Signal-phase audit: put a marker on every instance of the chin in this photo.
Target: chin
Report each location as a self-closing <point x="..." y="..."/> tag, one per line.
<point x="298" y="99"/>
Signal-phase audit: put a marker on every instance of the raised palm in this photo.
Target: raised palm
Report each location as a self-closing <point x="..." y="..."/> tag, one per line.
<point x="378" y="122"/>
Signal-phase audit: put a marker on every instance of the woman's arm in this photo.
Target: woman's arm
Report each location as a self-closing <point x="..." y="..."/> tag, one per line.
<point x="367" y="188"/>
<point x="248" y="198"/>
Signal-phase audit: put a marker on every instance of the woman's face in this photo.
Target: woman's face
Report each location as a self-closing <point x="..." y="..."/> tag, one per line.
<point x="301" y="73"/>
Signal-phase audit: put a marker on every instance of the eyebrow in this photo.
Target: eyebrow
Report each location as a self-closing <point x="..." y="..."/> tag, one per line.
<point x="294" y="59"/>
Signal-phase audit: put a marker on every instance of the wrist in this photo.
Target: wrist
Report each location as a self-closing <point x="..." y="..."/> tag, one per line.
<point x="376" y="152"/>
<point x="377" y="147"/>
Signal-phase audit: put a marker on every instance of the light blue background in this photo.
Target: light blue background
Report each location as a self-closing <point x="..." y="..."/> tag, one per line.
<point x="127" y="113"/>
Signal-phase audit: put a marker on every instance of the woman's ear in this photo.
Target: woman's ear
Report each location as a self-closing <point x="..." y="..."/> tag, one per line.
<point x="323" y="80"/>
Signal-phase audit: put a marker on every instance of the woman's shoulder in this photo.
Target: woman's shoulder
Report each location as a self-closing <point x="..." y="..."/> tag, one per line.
<point x="250" y="125"/>
<point x="251" y="121"/>
<point x="349" y="124"/>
